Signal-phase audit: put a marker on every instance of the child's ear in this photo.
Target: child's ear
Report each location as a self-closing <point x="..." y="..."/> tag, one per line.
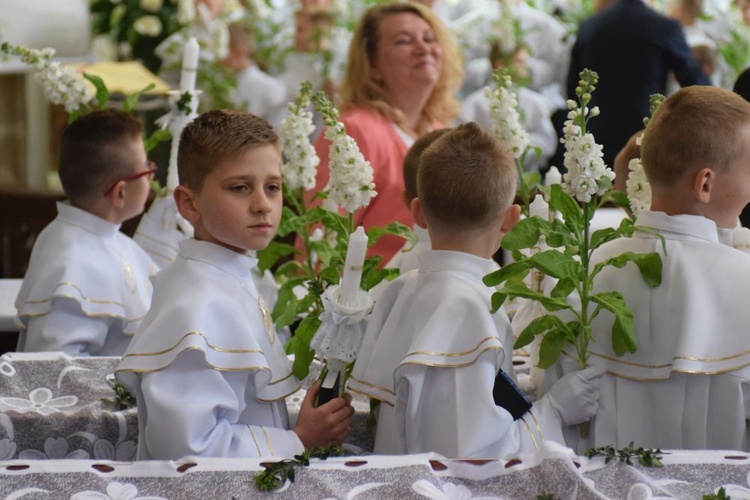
<point x="418" y="213"/>
<point x="512" y="215"/>
<point x="184" y="198"/>
<point x="703" y="184"/>
<point x="117" y="196"/>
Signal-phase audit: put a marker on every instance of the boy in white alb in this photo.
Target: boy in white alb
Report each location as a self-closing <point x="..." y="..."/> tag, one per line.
<point x="433" y="350"/>
<point x="406" y="259"/>
<point x="209" y="373"/>
<point x="687" y="386"/>
<point x="87" y="286"/>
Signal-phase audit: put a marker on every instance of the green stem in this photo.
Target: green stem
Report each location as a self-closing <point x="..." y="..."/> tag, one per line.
<point x="523" y="189"/>
<point x="584" y="335"/>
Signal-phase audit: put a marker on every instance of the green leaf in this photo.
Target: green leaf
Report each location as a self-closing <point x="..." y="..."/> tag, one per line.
<point x="270" y="255"/>
<point x="289" y="268"/>
<point x="649" y="265"/>
<point x="498" y="299"/>
<point x="559" y="235"/>
<point x="518" y="288"/>
<point x="517" y="269"/>
<point x="102" y="93"/>
<point x="567" y="206"/>
<point x="623" y="337"/>
<point x="372" y="274"/>
<point x="158" y="136"/>
<point x="131" y="100"/>
<point x="324" y="251"/>
<point x="617" y="198"/>
<point x="330" y="274"/>
<point x="525" y="234"/>
<point x="551" y="347"/>
<point x="394" y="228"/>
<point x="290" y="223"/>
<point x="299" y="345"/>
<point x="537" y="326"/>
<point x="563" y="288"/>
<point x="556" y="264"/>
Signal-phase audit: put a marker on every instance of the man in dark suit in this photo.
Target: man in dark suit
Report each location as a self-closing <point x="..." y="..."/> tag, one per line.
<point x="633" y="48"/>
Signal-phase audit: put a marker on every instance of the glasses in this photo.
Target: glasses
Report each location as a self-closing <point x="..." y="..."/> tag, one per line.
<point x="150" y="169"/>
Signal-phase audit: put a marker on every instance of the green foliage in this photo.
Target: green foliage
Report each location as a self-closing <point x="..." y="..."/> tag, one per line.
<point x="276" y="474"/>
<point x="719" y="495"/>
<point x="736" y="52"/>
<point x="122" y="399"/>
<point x="569" y="261"/>
<point x="648" y="457"/>
<point x="117" y="21"/>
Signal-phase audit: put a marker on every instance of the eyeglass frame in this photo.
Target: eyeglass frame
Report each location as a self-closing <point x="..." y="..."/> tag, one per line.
<point x="151" y="170"/>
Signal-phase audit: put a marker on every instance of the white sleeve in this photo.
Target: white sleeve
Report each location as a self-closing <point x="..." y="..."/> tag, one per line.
<point x="192" y="409"/>
<point x="451" y="411"/>
<point x="66" y="328"/>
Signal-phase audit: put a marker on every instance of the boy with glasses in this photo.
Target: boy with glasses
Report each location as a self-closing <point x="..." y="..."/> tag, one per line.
<point x="87" y="286"/>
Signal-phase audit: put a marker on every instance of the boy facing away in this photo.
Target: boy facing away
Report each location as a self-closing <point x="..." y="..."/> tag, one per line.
<point x="432" y="349"/>
<point x="87" y="286"/>
<point x="406" y="260"/>
<point x="207" y="368"/>
<point x="688" y="384"/>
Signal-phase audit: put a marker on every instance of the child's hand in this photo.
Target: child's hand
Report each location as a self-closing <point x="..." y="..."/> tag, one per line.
<point x="325" y="425"/>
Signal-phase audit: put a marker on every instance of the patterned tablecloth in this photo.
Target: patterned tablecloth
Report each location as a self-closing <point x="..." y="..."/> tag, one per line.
<point x="53" y="406"/>
<point x="551" y="471"/>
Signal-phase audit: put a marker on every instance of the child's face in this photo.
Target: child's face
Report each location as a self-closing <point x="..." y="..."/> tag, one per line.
<point x="731" y="192"/>
<point x="137" y="189"/>
<point x="239" y="205"/>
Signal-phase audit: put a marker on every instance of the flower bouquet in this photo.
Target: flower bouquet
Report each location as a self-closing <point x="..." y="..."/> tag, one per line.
<point x="586" y="186"/>
<point x="324" y="233"/>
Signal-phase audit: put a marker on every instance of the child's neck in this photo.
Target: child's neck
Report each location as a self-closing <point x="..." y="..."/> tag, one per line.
<point x="102" y="210"/>
<point x="482" y="243"/>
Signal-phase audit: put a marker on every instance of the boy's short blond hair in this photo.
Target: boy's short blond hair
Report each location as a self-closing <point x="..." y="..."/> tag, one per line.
<point x="696" y="126"/>
<point x="216" y="136"/>
<point x="94" y="153"/>
<point x="466" y="178"/>
<point x="411" y="160"/>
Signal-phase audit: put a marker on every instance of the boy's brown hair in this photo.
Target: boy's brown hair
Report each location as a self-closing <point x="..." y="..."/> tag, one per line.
<point x="94" y="153"/>
<point x="411" y="160"/>
<point x="216" y="136"/>
<point x="696" y="126"/>
<point x="467" y="177"/>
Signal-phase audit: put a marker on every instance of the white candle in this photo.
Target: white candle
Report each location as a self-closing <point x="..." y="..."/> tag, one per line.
<point x="553" y="176"/>
<point x="355" y="259"/>
<point x="539" y="207"/>
<point x="189" y="65"/>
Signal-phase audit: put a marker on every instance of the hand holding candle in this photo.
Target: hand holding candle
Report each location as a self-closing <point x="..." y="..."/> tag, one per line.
<point x="189" y="65"/>
<point x="355" y="259"/>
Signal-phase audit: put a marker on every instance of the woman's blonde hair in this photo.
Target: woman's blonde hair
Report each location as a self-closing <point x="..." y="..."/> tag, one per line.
<point x="359" y="89"/>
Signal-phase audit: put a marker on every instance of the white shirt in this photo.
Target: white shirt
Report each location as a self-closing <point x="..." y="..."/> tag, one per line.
<point x="86" y="289"/>
<point x="207" y="368"/>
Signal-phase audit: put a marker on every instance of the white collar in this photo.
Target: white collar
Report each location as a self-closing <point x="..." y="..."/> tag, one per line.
<point x="87" y="221"/>
<point x="695" y="226"/>
<point x="226" y="260"/>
